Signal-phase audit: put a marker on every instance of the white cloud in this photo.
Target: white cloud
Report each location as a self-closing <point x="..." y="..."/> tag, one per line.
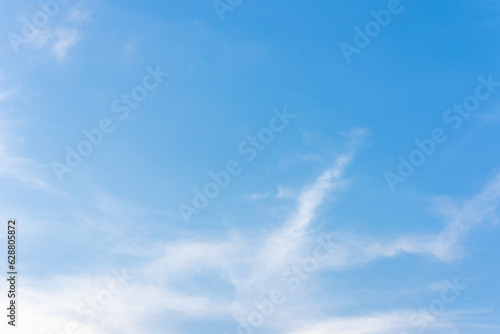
<point x="165" y="285"/>
<point x="66" y="38"/>
<point x="79" y="16"/>
<point x="62" y="38"/>
<point x="40" y="38"/>
<point x="176" y="280"/>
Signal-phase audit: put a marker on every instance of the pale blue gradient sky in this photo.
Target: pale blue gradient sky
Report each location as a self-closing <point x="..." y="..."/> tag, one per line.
<point x="323" y="174"/>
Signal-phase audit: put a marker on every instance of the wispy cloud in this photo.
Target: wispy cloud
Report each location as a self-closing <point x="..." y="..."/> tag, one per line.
<point x="62" y="35"/>
<point x="446" y="245"/>
<point x="175" y="279"/>
<point x="242" y="263"/>
<point x="80" y="16"/>
<point x="66" y="38"/>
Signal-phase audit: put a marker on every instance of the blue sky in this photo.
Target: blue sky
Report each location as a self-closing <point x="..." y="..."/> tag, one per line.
<point x="312" y="229"/>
